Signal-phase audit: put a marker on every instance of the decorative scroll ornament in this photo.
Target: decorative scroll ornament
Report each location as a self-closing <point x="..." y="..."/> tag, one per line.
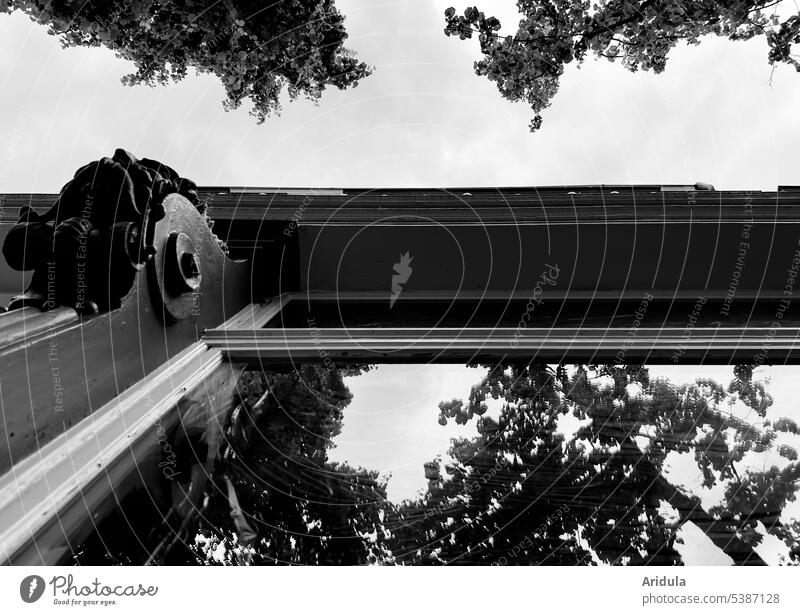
<point x="85" y="251"/>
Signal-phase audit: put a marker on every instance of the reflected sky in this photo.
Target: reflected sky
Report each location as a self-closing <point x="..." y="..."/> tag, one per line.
<point x="390" y="424"/>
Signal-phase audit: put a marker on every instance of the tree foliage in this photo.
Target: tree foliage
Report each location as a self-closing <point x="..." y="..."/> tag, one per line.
<point x="571" y="467"/>
<point x="570" y="471"/>
<point x="303" y="508"/>
<point x="254" y="48"/>
<point x="527" y="66"/>
<point x="524" y="492"/>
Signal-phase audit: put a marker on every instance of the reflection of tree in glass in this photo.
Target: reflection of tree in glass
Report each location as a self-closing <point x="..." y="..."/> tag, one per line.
<point x="531" y="488"/>
<point x="304" y="509"/>
<point x="522" y="493"/>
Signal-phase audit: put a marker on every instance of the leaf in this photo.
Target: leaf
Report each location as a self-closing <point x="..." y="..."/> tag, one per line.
<point x="164" y="44"/>
<point x="552" y="34"/>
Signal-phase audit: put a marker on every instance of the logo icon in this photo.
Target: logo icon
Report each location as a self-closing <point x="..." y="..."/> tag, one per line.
<point x="31" y="588"/>
<point x="402" y="271"/>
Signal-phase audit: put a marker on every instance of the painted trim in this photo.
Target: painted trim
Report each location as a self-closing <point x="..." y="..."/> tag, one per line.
<point x="49" y="496"/>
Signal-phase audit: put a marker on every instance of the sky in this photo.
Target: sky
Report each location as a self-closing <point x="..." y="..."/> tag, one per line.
<point x="391" y="426"/>
<point x="391" y="423"/>
<point x="718" y="114"/>
<point x="422" y="119"/>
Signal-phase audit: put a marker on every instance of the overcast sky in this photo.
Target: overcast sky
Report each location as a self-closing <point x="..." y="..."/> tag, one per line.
<point x="422" y="119"/>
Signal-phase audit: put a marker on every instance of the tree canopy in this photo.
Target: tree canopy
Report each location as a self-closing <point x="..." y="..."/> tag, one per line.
<point x="527" y="492"/>
<point x="528" y="65"/>
<point x="571" y="466"/>
<point x="303" y="508"/>
<point x="256" y="49"/>
<point x="572" y="471"/>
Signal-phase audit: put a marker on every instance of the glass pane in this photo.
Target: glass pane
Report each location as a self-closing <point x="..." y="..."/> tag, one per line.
<point x="505" y="464"/>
